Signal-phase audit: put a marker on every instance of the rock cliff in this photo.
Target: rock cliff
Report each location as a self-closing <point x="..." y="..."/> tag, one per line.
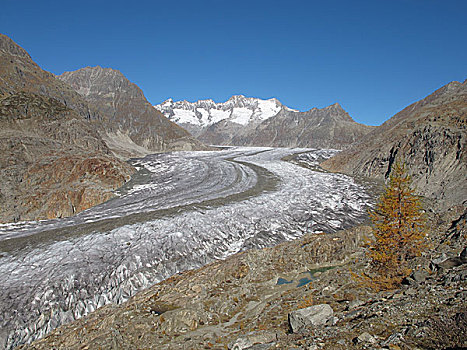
<point x="129" y="124"/>
<point x="43" y="122"/>
<point x="429" y="136"/>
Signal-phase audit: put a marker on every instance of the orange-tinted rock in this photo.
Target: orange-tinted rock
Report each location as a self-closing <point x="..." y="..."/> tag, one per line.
<point x="68" y="185"/>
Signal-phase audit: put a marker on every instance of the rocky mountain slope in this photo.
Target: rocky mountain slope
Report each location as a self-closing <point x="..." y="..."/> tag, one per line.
<point x="329" y="127"/>
<point x="130" y="125"/>
<point x="297" y="295"/>
<point x="429" y="136"/>
<point x="53" y="163"/>
<point x="246" y="121"/>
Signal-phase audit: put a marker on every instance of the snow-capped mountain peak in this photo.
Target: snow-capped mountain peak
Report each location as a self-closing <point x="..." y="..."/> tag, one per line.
<point x="237" y="109"/>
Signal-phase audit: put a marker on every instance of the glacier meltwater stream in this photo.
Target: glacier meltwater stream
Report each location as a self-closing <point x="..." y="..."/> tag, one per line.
<point x="180" y="211"/>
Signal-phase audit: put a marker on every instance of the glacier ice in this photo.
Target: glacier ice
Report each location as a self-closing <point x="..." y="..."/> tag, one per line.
<point x="180" y="211"/>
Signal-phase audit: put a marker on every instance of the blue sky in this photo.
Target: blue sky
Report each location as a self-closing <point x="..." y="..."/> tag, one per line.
<point x="373" y="57"/>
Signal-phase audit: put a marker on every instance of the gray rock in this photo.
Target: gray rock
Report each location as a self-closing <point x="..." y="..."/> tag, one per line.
<point x="443" y="257"/>
<point x="365" y="337"/>
<point x="419" y="276"/>
<point x="355" y="304"/>
<point x="410" y="291"/>
<point x="451" y="262"/>
<point x="430" y="140"/>
<point x="252" y="340"/>
<point x="394" y="338"/>
<point x="315" y="315"/>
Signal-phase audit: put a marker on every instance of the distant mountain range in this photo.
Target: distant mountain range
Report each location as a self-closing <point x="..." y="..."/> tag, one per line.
<point x="201" y="114"/>
<point x="246" y="121"/>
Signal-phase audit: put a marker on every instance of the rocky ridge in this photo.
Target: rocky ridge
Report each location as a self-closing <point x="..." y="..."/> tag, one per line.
<point x="430" y="136"/>
<point x="329" y="127"/>
<point x="129" y="124"/>
<point x="253" y="300"/>
<point x="244" y="121"/>
<point x="44" y="122"/>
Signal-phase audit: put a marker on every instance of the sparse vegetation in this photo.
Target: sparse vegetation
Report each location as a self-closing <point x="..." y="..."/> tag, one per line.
<point x="307" y="298"/>
<point x="398" y="230"/>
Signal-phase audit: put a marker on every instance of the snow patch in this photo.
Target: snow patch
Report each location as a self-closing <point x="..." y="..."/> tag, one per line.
<point x="218" y="115"/>
<point x="183" y="116"/>
<point x="241" y="116"/>
<point x="267" y="109"/>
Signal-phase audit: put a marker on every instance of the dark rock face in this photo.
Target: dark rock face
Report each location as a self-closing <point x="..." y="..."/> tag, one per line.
<point x="244" y="121"/>
<point x="44" y="123"/>
<point x="126" y="116"/>
<point x="429" y="135"/>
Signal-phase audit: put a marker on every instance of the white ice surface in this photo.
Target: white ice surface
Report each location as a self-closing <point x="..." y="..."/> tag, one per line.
<point x="53" y="281"/>
<point x="218" y="115"/>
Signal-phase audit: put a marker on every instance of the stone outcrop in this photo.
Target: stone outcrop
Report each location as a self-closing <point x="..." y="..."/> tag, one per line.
<point x="19" y="73"/>
<point x="430" y="136"/>
<point x="51" y="156"/>
<point x="69" y="184"/>
<point x="129" y="123"/>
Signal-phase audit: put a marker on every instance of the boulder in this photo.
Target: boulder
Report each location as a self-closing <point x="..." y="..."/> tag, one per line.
<point x="254" y="340"/>
<point x="365" y="337"/>
<point x="419" y="276"/>
<point x="315" y="315"/>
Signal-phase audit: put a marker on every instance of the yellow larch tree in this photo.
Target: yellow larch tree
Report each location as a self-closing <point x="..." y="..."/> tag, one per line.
<point x="398" y="232"/>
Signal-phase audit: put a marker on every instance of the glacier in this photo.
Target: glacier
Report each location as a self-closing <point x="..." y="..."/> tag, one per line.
<point x="180" y="211"/>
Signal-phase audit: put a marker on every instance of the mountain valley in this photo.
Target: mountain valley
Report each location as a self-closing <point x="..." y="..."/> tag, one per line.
<point x="203" y="225"/>
<point x="63" y="152"/>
